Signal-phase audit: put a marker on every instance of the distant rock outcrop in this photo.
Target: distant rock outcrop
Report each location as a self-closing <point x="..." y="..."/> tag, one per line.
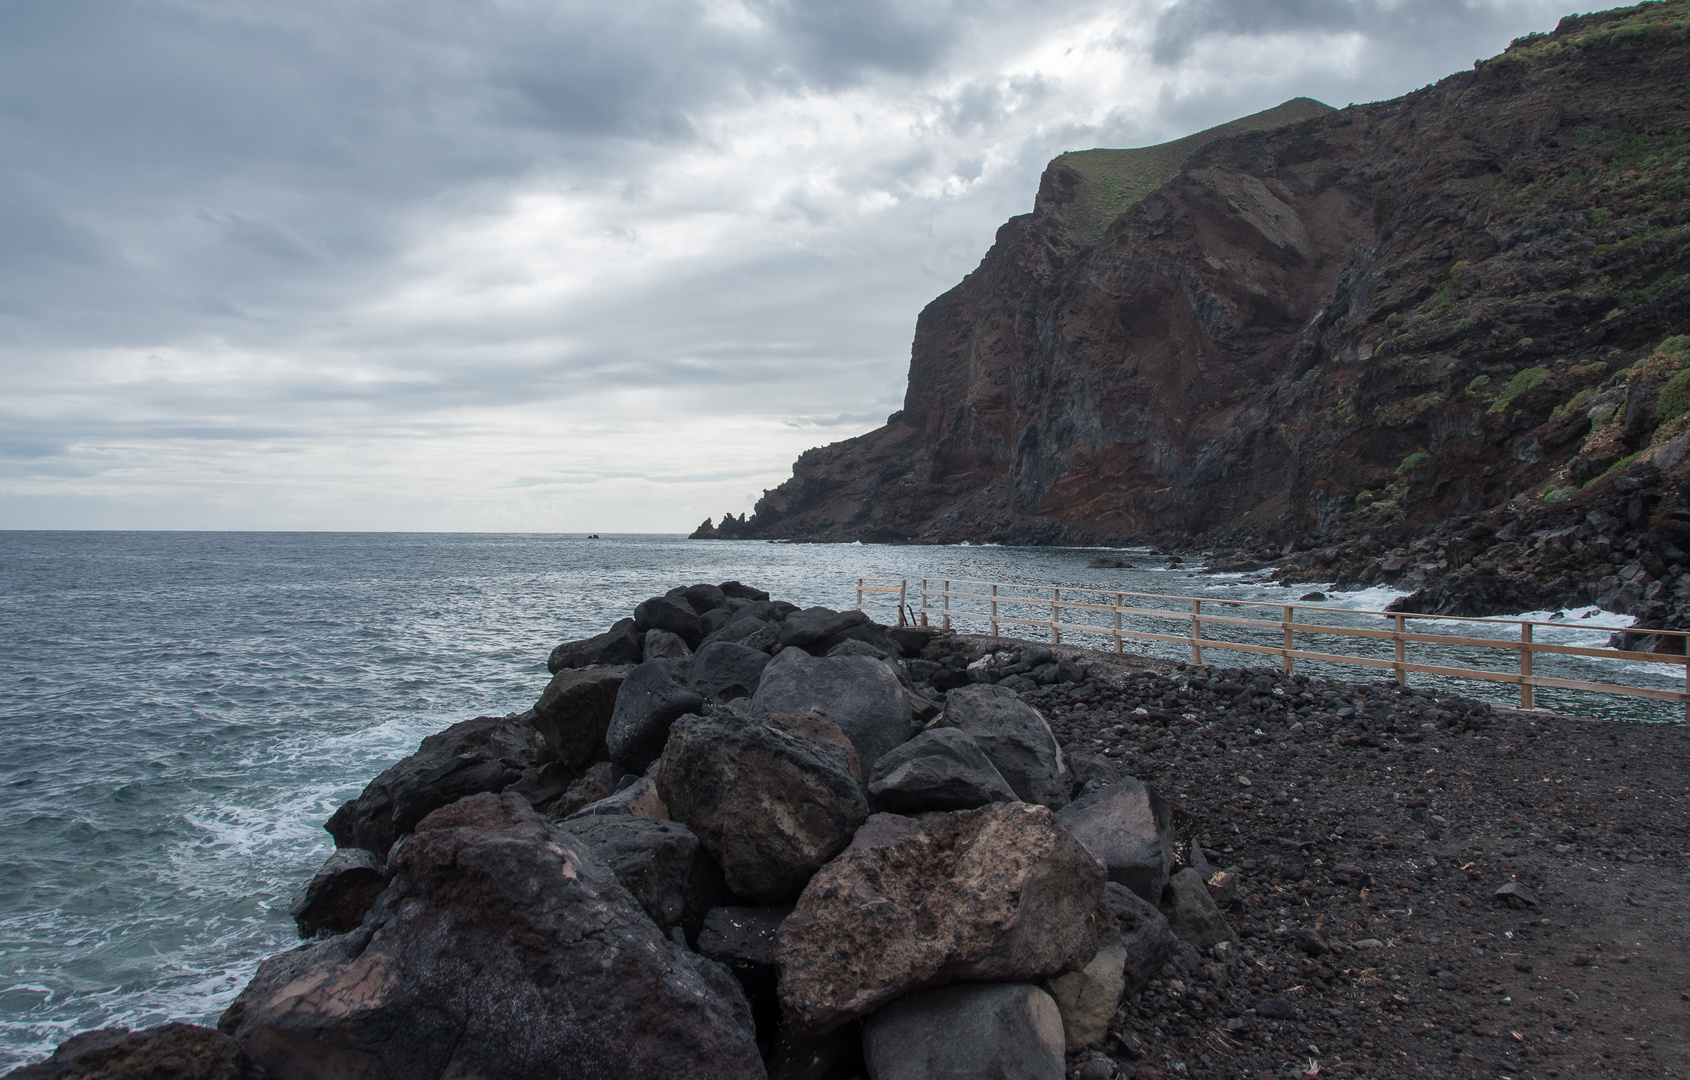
<point x="1307" y="325"/>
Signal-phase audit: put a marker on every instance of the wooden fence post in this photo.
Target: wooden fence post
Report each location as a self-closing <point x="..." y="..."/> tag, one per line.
<point x="1289" y="661"/>
<point x="859" y="594"/>
<point x="1402" y="676"/>
<point x="1196" y="632"/>
<point x="1119" y="649"/>
<point x="923" y="621"/>
<point x="1525" y="665"/>
<point x="947" y="615"/>
<point x="903" y="588"/>
<point x="1055" y="616"/>
<point x="994" y="619"/>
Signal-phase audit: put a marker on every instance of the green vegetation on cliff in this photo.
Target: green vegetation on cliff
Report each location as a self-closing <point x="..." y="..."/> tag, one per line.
<point x="1114" y="180"/>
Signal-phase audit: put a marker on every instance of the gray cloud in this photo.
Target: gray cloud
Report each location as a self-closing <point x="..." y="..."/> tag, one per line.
<point x="440" y="250"/>
<point x="1396" y="26"/>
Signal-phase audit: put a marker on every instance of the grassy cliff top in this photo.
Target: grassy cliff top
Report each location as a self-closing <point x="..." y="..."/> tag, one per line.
<point x="1116" y="179"/>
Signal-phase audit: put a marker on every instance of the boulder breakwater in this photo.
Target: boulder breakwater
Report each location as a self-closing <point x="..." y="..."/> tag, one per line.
<point x="737" y="838"/>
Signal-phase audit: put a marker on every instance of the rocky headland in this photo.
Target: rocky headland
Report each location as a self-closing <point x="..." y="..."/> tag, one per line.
<point x="1350" y="331"/>
<point x="736" y="838"/>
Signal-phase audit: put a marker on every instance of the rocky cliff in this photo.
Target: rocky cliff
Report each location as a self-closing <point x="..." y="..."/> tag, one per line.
<point x="1309" y="325"/>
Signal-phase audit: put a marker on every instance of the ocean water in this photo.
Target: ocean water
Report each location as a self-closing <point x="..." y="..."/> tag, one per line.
<point x="182" y="711"/>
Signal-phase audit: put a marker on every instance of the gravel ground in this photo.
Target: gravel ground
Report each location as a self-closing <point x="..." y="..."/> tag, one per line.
<point x="1368" y="829"/>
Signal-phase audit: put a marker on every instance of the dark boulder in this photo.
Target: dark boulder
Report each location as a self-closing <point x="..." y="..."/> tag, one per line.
<point x="861" y="694"/>
<point x="1091" y="772"/>
<point x="772" y="799"/>
<point x="166" y="1052"/>
<point x="743" y="936"/>
<point x="833" y="1055"/>
<point x="713" y="620"/>
<point x="660" y="862"/>
<point x="504" y="951"/>
<point x="742" y="592"/>
<point x="748" y="630"/>
<point x="722" y="671"/>
<point x="742" y="939"/>
<point x="1001" y="1031"/>
<point x="488" y="753"/>
<point x="574" y="713"/>
<point x="870" y="634"/>
<point x="621" y="644"/>
<point x="940" y="769"/>
<point x="673" y="614"/>
<point x="662" y="645"/>
<point x="1193" y="914"/>
<point x="704" y="598"/>
<point x="812" y="626"/>
<point x="634" y="795"/>
<point x="545" y="784"/>
<point x="337" y="896"/>
<point x="858" y="647"/>
<point x="1126" y="824"/>
<point x="1017" y="739"/>
<point x="652" y="697"/>
<point x="911" y="639"/>
<point x="884" y="828"/>
<point x="1480" y="591"/>
<point x="1148" y="939"/>
<point x="580" y="793"/>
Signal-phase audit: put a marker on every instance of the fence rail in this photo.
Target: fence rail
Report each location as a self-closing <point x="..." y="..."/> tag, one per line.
<point x="998" y="604"/>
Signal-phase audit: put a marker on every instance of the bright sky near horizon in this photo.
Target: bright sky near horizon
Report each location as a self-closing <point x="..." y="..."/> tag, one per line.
<point x="553" y="266"/>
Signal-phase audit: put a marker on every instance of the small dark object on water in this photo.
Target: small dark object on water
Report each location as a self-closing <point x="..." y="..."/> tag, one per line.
<point x="1312" y="596"/>
<point x="1106" y="563"/>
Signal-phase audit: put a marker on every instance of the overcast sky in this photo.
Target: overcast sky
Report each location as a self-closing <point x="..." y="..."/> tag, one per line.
<point x="552" y="265"/>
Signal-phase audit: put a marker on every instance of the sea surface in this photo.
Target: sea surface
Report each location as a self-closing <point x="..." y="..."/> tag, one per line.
<point x="181" y="712"/>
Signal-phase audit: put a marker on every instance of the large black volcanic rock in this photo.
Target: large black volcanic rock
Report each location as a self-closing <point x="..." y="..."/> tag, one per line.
<point x="503" y="950"/>
<point x="488" y="753"/>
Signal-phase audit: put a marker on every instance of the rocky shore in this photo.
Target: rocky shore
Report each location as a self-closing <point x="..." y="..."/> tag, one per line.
<point x="735" y="838"/>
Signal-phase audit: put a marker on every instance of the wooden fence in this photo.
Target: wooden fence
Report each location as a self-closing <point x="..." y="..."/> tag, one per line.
<point x="995" y="603"/>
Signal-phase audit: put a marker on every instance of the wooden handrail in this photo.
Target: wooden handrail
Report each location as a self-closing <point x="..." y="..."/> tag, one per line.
<point x="1064" y="598"/>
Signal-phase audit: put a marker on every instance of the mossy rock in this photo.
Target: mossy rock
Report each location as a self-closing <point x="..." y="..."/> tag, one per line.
<point x="1674" y="399"/>
<point x="1522" y="382"/>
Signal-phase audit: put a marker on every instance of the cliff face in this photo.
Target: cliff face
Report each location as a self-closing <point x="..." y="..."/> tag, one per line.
<point x="1304" y="324"/>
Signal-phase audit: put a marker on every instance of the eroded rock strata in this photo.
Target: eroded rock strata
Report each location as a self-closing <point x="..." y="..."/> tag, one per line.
<point x="1313" y="327"/>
